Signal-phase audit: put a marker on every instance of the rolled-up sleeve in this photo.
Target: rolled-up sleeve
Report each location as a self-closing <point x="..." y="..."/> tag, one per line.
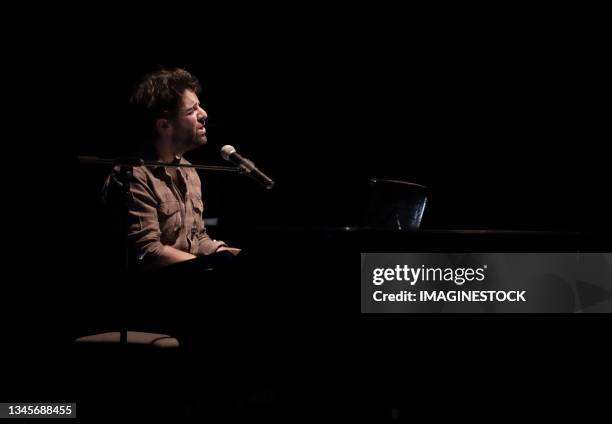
<point x="142" y="223"/>
<point x="144" y="233"/>
<point x="208" y="245"/>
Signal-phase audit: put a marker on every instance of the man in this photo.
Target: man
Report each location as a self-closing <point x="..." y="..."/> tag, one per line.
<point x="164" y="204"/>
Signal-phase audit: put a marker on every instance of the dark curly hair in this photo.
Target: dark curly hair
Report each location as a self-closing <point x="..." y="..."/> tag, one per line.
<point x="158" y="95"/>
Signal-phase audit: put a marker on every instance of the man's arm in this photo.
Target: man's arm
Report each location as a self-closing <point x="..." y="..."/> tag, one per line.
<point x="209" y="246"/>
<point x="233" y="250"/>
<point x="206" y="245"/>
<point x="168" y="255"/>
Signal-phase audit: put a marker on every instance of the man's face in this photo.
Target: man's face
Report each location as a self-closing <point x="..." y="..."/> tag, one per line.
<point x="188" y="127"/>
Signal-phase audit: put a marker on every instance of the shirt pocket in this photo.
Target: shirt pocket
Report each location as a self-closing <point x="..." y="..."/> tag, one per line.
<point x="170" y="221"/>
<point x="198" y="210"/>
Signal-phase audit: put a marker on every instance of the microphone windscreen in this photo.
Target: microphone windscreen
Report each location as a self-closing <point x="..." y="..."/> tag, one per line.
<point x="226" y="151"/>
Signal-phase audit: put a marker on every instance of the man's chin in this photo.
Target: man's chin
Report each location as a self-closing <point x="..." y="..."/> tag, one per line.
<point x="200" y="141"/>
<point x="194" y="143"/>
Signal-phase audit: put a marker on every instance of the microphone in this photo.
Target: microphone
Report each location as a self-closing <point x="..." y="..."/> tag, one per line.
<point x="246" y="166"/>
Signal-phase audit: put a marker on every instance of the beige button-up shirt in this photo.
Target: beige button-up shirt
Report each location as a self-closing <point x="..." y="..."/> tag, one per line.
<point x="161" y="212"/>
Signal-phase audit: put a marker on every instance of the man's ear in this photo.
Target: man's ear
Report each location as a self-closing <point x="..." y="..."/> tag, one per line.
<point x="162" y="124"/>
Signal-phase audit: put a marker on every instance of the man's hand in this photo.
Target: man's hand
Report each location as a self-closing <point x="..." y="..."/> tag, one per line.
<point x="233" y="250"/>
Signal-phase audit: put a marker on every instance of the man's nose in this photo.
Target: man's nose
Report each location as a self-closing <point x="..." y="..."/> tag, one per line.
<point x="202" y="115"/>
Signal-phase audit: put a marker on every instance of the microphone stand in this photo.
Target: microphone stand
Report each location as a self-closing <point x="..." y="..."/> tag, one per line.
<point x="135" y="161"/>
<point x="126" y="165"/>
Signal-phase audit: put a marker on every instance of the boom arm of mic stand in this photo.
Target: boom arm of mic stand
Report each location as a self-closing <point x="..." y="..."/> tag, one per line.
<point x="134" y="161"/>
